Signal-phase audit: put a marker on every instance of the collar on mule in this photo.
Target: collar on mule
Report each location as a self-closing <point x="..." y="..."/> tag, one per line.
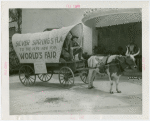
<point x="122" y="63"/>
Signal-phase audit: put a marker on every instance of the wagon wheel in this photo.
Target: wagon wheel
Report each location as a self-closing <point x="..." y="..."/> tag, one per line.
<point x="45" y="77"/>
<point x="83" y="77"/>
<point x="27" y="76"/>
<point x="66" y="76"/>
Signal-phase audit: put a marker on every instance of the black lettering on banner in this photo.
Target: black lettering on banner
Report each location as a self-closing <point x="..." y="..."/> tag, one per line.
<point x="40" y="53"/>
<point x="45" y="55"/>
<point x="52" y="41"/>
<point x="21" y="49"/>
<point x="33" y="42"/>
<point x="33" y="56"/>
<point x="28" y="42"/>
<point x="56" y="40"/>
<point x="26" y="55"/>
<point x="50" y="54"/>
<point x="54" y="54"/>
<point x="48" y="41"/>
<point x="36" y="55"/>
<point x="45" y="41"/>
<point x="39" y="42"/>
<point x="21" y="55"/>
<point x="17" y="44"/>
<point x="60" y="40"/>
<point x="30" y="56"/>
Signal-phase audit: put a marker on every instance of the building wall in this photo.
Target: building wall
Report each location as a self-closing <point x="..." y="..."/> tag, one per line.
<point x="119" y="35"/>
<point x="37" y="20"/>
<point x="95" y="37"/>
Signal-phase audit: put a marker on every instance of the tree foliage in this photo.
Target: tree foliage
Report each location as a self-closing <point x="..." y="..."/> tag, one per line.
<point x="15" y="15"/>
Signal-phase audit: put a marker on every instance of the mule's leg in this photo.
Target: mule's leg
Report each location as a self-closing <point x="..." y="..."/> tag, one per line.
<point x="111" y="83"/>
<point x="117" y="82"/>
<point x="90" y="78"/>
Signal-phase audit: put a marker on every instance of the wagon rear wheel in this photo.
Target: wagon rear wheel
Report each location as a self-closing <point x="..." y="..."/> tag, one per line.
<point x="27" y="76"/>
<point x="45" y="77"/>
<point x="66" y="76"/>
<point x="83" y="77"/>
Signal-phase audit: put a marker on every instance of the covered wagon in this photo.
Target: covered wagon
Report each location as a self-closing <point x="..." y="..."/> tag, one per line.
<point x="39" y="54"/>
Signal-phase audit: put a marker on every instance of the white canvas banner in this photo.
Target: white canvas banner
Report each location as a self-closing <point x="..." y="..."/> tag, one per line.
<point x="44" y="46"/>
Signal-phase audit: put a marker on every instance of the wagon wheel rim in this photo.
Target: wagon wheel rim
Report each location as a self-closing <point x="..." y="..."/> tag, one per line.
<point x="66" y="76"/>
<point x="83" y="77"/>
<point x="26" y="75"/>
<point x="45" y="77"/>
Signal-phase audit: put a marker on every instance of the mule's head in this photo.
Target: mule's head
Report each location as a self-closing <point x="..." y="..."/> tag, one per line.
<point x="130" y="60"/>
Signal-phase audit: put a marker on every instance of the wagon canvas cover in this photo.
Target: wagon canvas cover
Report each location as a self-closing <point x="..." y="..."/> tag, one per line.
<point x="43" y="46"/>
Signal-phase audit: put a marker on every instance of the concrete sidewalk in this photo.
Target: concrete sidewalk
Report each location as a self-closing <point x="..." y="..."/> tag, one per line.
<point x="52" y="98"/>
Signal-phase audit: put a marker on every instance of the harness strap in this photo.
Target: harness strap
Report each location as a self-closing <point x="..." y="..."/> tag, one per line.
<point x="107" y="59"/>
<point x="109" y="64"/>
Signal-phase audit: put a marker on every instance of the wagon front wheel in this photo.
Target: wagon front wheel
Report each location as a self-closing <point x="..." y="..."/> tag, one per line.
<point x="27" y="76"/>
<point x="45" y="77"/>
<point x="66" y="76"/>
<point x="83" y="77"/>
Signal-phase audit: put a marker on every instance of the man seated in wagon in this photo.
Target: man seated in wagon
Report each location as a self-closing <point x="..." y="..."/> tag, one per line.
<point x="66" y="51"/>
<point x="70" y="48"/>
<point x="75" y="47"/>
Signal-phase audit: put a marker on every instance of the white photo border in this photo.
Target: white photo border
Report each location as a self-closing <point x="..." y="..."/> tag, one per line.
<point x="62" y="4"/>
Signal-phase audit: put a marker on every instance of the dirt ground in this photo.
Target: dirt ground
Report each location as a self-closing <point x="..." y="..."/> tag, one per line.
<point x="51" y="98"/>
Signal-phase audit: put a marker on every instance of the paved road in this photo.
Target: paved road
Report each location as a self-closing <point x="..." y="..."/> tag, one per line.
<point x="51" y="98"/>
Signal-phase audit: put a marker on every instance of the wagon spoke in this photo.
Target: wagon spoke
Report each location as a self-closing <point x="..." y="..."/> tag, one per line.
<point x="43" y="77"/>
<point x="47" y="77"/>
<point x="22" y="71"/>
<point x="30" y="71"/>
<point x="84" y="77"/>
<point x="25" y="81"/>
<point x="30" y="80"/>
<point x="63" y="81"/>
<point x="31" y="77"/>
<point x="40" y="76"/>
<point x="23" y="78"/>
<point x="71" y="81"/>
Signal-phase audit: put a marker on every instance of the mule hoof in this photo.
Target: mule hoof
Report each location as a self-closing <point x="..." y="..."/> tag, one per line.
<point x="90" y="87"/>
<point x="111" y="92"/>
<point x="118" y="91"/>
